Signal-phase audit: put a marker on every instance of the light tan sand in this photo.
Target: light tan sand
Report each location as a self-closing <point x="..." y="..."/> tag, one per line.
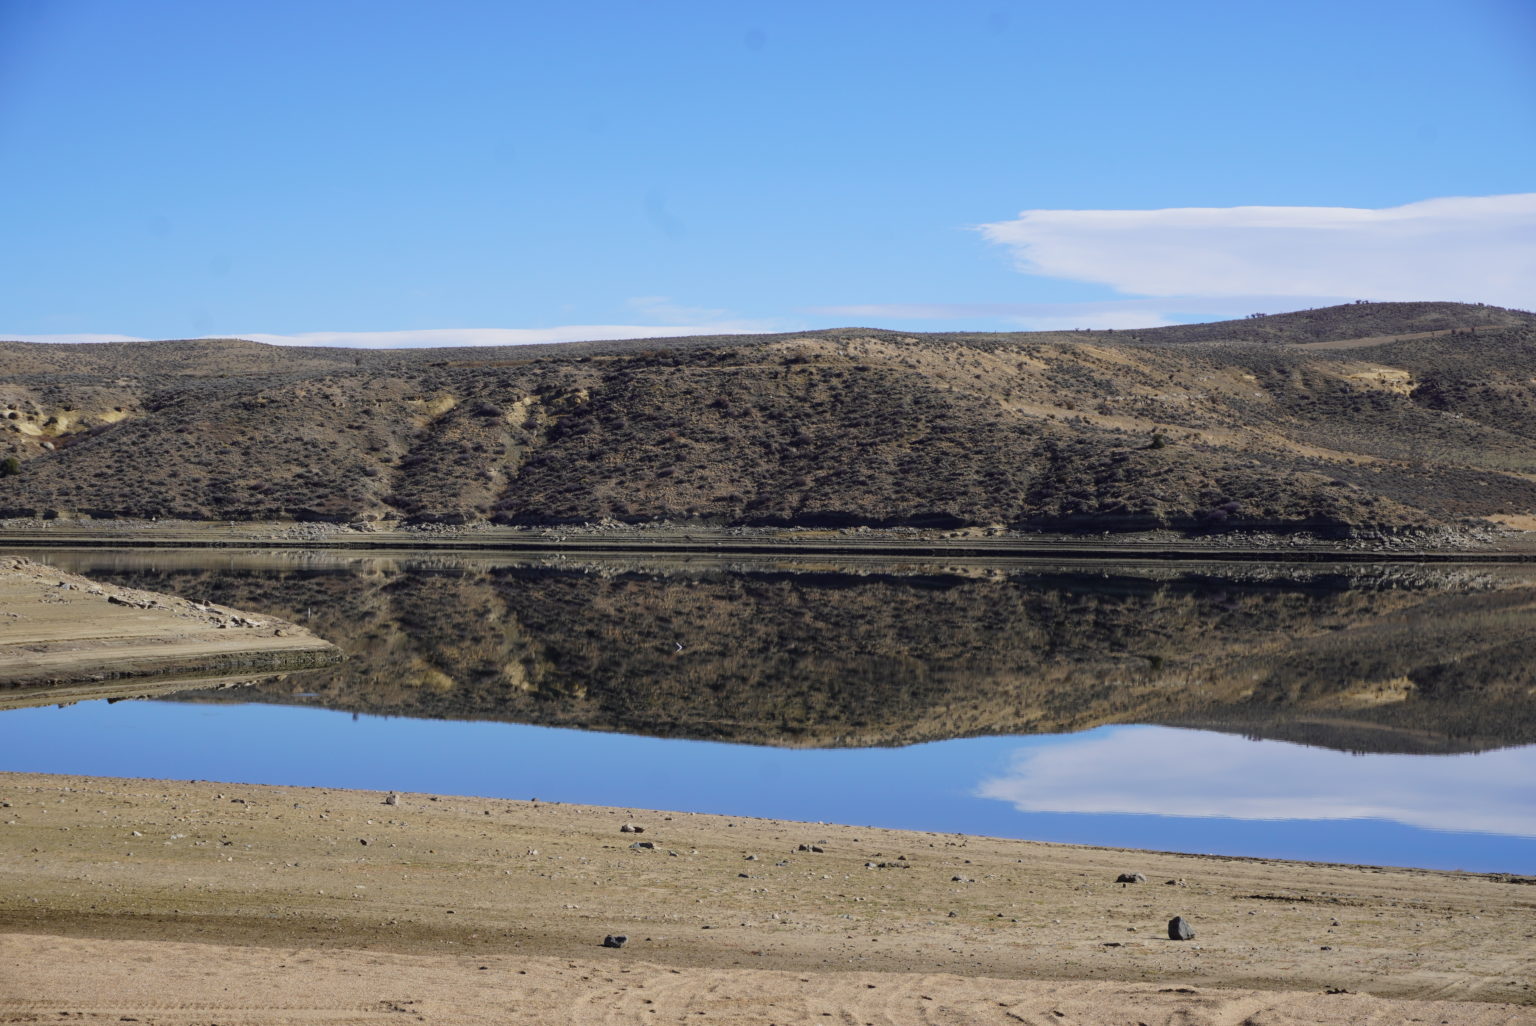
<point x="171" y="984"/>
<point x="1515" y="521"/>
<point x="238" y="904"/>
<point x="58" y="628"/>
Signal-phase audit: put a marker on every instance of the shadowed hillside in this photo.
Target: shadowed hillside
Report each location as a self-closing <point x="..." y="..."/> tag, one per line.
<point x="1362" y="417"/>
<point x="1404" y="661"/>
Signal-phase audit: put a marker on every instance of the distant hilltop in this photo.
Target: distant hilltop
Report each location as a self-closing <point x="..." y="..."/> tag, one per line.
<point x="1365" y="417"/>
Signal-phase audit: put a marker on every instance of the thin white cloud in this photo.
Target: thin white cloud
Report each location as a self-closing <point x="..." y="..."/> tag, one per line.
<point x="446" y="337"/>
<point x="1109" y="319"/>
<point x="1470" y="249"/>
<point x="451" y="337"/>
<point x="662" y="308"/>
<point x="667" y="320"/>
<point x="1215" y="305"/>
<point x="1167" y="772"/>
<point x="1109" y="313"/>
<point x="70" y="338"/>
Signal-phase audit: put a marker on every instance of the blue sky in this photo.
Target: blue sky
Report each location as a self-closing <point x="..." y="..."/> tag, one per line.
<point x="409" y="173"/>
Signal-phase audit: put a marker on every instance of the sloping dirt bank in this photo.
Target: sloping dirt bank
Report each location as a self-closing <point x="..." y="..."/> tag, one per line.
<point x="192" y="903"/>
<point x="1486" y="543"/>
<point x="59" y="629"/>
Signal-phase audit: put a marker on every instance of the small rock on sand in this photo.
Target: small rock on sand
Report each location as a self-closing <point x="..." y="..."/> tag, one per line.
<point x="1179" y="929"/>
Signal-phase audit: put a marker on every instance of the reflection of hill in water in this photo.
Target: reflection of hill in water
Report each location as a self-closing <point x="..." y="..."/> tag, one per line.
<point x="1391" y="662"/>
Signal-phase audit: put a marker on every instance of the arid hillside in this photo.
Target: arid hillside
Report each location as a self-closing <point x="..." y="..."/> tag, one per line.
<point x="1356" y="418"/>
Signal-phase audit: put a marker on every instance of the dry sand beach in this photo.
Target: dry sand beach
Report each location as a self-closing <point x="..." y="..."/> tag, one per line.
<point x="199" y="903"/>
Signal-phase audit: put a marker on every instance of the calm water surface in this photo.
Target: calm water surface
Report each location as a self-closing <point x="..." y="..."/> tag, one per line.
<point x="1380" y="716"/>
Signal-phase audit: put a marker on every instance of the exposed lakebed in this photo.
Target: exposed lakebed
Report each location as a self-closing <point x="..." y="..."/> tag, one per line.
<point x="1370" y="714"/>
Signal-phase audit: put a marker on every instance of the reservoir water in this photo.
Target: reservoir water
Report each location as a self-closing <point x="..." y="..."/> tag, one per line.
<point x="1381" y="715"/>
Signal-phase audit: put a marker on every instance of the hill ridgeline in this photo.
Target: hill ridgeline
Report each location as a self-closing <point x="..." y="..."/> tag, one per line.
<point x="1361" y="418"/>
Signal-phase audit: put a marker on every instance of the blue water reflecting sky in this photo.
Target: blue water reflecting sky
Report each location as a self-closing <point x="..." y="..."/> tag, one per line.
<point x="1139" y="787"/>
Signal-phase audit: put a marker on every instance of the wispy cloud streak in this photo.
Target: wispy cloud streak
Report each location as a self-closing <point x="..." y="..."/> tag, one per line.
<point x="447" y="337"/>
<point x="450" y="337"/>
<point x="1109" y="313"/>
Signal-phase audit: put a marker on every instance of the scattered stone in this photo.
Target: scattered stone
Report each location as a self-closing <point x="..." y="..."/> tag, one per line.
<point x="1179" y="929"/>
<point x="811" y="847"/>
<point x="644" y="846"/>
<point x="392" y="799"/>
<point x="615" y="940"/>
<point x="1129" y="878"/>
<point x="630" y="828"/>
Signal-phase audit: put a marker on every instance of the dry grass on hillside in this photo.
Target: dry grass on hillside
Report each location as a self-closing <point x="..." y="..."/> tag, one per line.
<point x="1202" y="427"/>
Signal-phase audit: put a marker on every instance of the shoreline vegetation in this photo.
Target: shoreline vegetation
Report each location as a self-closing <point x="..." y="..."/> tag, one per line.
<point x="181" y="903"/>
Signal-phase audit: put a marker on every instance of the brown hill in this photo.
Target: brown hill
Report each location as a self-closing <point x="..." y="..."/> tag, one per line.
<point x="1354" y="322"/>
<point x="1361" y="417"/>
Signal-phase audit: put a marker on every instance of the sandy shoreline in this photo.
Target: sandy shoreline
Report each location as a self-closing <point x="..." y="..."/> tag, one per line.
<point x="170" y="891"/>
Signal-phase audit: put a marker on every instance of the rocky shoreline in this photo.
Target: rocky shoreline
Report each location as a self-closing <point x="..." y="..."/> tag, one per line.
<point x="1472" y="542"/>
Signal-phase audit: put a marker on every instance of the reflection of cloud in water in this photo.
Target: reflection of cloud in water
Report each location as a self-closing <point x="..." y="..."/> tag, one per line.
<point x="1166" y="772"/>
